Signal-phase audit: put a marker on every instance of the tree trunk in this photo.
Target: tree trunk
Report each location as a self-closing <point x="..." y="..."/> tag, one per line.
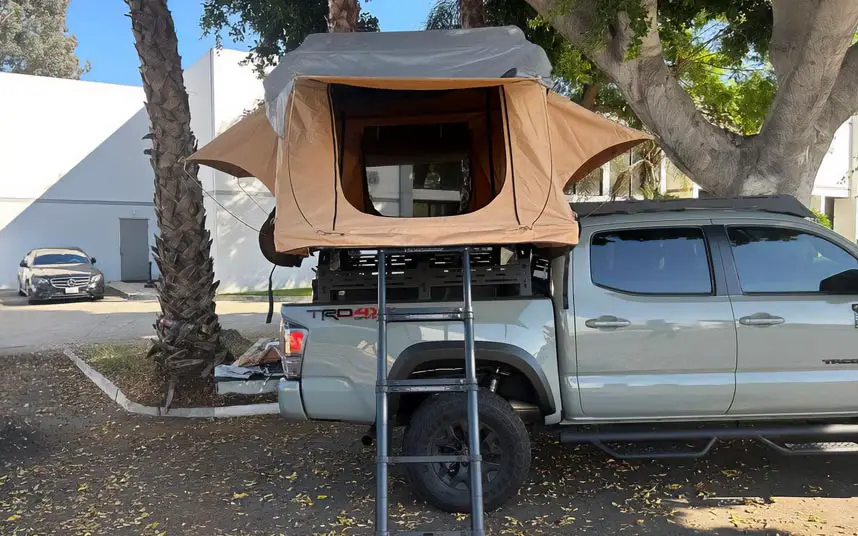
<point x="589" y="94"/>
<point x="343" y="15"/>
<point x="472" y="13"/>
<point x="816" y="66"/>
<point x="187" y="327"/>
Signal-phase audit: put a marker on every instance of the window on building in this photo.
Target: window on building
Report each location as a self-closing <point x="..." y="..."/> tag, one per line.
<point x="781" y="260"/>
<point x="589" y="186"/>
<point x="651" y="261"/>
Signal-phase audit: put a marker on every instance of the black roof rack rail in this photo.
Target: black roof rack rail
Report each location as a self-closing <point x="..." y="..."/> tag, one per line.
<point x="780" y="204"/>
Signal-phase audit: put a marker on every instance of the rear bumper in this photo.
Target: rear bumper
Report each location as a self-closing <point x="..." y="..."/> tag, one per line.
<point x="289" y="400"/>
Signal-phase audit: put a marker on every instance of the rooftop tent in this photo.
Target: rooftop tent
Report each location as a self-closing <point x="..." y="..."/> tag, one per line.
<point x="438" y="113"/>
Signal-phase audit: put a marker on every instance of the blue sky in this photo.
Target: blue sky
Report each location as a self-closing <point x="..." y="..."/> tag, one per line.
<point x="104" y="32"/>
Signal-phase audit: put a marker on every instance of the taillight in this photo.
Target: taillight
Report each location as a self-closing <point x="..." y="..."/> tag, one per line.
<point x="293" y="340"/>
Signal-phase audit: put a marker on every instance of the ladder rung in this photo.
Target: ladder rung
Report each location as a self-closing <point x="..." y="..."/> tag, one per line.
<point x="429" y="385"/>
<point x="431" y="249"/>
<point x="426" y="314"/>
<point x="435" y="533"/>
<point x="440" y="458"/>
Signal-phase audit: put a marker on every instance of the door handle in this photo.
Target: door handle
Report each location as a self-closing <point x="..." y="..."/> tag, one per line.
<point x="761" y="319"/>
<point x="607" y="321"/>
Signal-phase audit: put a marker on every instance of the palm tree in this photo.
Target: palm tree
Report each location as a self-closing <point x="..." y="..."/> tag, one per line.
<point x="472" y="13"/>
<point x="188" y="330"/>
<point x="450" y="14"/>
<point x="343" y="15"/>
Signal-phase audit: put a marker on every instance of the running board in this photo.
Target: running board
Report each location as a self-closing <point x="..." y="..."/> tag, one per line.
<point x="814" y="439"/>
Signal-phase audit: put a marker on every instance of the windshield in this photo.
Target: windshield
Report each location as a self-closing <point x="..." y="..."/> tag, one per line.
<point x="60" y="258"/>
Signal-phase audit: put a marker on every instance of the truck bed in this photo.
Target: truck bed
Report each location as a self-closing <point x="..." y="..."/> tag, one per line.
<point x="339" y="366"/>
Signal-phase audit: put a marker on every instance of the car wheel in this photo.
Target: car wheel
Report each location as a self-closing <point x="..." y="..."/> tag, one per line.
<point x="439" y="427"/>
<point x="21" y="290"/>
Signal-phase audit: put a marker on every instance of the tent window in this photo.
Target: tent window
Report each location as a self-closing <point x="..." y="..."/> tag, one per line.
<point x="418" y="170"/>
<point x="419" y="154"/>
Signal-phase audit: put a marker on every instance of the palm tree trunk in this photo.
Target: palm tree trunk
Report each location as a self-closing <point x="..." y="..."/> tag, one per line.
<point x="187" y="327"/>
<point x="343" y="15"/>
<point x="472" y="13"/>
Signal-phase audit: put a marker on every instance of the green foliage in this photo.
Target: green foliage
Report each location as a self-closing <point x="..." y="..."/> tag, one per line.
<point x="733" y="91"/>
<point x="606" y="15"/>
<point x="717" y="48"/>
<point x="822" y="219"/>
<point x="278" y="27"/>
<point x="34" y="39"/>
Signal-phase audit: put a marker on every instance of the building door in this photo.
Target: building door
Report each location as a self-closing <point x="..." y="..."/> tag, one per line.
<point x="134" y="249"/>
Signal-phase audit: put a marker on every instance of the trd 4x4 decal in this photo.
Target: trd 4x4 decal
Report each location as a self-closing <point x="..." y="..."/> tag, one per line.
<point x="361" y="313"/>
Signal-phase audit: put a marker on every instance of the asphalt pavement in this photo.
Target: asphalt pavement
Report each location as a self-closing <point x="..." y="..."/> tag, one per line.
<point x="73" y="463"/>
<point x="25" y="328"/>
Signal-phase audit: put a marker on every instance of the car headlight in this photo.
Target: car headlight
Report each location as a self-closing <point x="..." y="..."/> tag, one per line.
<point x="38" y="281"/>
<point x="96" y="278"/>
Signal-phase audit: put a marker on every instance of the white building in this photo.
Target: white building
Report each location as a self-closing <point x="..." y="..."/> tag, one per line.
<point x="73" y="173"/>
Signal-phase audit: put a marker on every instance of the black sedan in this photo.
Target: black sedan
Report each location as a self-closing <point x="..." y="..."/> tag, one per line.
<point x="59" y="273"/>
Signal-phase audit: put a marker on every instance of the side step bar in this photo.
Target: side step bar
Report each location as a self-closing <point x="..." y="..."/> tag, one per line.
<point x="794" y="439"/>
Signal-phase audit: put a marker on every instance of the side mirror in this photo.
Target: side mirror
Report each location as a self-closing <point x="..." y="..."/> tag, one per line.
<point x="92" y="260"/>
<point x="845" y="282"/>
<point x="23" y="263"/>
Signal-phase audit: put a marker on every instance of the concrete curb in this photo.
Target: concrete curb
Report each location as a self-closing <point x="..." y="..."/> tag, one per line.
<point x="132" y="296"/>
<point x="277" y="299"/>
<point x="113" y="392"/>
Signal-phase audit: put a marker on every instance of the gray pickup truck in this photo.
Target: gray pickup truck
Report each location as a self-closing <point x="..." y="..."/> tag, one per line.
<point x="669" y="321"/>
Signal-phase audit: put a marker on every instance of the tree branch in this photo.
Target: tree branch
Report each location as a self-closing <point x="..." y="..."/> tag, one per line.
<point x="652" y="90"/>
<point x="809" y="41"/>
<point x="843" y="100"/>
<point x="588" y="96"/>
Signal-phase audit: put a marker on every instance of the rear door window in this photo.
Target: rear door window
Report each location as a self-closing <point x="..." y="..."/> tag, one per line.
<point x="779" y="260"/>
<point x="659" y="261"/>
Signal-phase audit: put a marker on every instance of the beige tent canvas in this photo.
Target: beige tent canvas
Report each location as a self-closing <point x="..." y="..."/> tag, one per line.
<point x="477" y="147"/>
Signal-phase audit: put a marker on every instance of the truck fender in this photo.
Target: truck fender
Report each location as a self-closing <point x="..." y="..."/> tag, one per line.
<point x="417" y="355"/>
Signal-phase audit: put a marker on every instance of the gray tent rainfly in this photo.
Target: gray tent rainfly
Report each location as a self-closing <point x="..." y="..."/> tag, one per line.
<point x="499" y="52"/>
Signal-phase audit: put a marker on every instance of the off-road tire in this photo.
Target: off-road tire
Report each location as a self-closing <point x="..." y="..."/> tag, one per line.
<point x="433" y="415"/>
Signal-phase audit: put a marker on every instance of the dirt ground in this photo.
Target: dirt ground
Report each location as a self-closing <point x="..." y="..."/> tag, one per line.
<point x="73" y="463"/>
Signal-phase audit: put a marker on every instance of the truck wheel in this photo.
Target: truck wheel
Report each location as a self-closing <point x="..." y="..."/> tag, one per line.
<point x="439" y="427"/>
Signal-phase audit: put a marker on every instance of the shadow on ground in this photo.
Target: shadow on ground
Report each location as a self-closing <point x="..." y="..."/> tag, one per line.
<point x="72" y="463"/>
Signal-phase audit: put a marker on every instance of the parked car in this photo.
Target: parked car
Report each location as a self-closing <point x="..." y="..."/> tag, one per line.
<point x="59" y="273"/>
<point x="688" y="321"/>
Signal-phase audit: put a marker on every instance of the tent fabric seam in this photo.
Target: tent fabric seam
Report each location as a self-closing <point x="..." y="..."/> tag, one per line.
<point x="550" y="160"/>
<point x="508" y="133"/>
<point x="336" y="153"/>
<point x="289" y="170"/>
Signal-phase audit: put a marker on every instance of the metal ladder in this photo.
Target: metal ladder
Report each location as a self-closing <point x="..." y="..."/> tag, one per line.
<point x="385" y="387"/>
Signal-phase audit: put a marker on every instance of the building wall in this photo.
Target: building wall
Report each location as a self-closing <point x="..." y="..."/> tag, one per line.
<point x="832" y="178"/>
<point x="71" y="165"/>
<point x="237" y="207"/>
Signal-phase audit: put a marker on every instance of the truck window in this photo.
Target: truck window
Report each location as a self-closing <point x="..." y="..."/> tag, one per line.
<point x="651" y="261"/>
<point x="778" y="260"/>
